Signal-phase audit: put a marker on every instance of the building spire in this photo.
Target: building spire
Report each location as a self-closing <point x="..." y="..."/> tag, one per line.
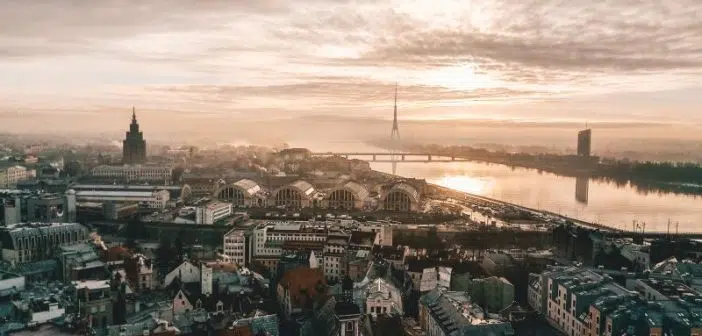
<point x="133" y="114"/>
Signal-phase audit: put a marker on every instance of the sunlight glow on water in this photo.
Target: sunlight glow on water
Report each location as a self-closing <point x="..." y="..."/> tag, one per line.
<point x="593" y="200"/>
<point x="469" y="184"/>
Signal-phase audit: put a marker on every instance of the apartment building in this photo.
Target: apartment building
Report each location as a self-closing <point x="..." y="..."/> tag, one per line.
<point x="579" y="301"/>
<point x="235" y="246"/>
<point x="444" y="313"/>
<point x="13" y="174"/>
<point x="335" y="259"/>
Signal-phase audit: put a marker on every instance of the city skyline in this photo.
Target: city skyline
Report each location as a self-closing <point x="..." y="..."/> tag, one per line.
<point x="623" y="61"/>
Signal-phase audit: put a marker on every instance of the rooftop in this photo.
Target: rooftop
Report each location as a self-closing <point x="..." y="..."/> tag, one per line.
<point x="92" y="284"/>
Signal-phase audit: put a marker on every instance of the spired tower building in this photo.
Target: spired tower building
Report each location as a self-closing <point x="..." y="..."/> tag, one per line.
<point x="134" y="146"/>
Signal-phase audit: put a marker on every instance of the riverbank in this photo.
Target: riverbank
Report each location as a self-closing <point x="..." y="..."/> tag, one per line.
<point x="478" y="200"/>
<point x="646" y="177"/>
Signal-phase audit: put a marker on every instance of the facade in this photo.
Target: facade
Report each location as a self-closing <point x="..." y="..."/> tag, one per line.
<point x="348" y="196"/>
<point x="147" y="199"/>
<point x="401" y="197"/>
<point x="335" y="260"/>
<point x="445" y="313"/>
<point x="565" y="295"/>
<point x="493" y="293"/>
<point x="22" y="206"/>
<point x="384" y="231"/>
<point x="212" y="212"/>
<point x="49" y="208"/>
<point x="22" y="243"/>
<point x="638" y="255"/>
<point x="584" y="142"/>
<point x="134" y="146"/>
<point x="235" y="246"/>
<point x="134" y="173"/>
<point x="269" y="237"/>
<point x="95" y="301"/>
<point x="177" y="192"/>
<point x="381" y="298"/>
<point x="140" y="272"/>
<point x="185" y="272"/>
<point x="242" y="193"/>
<point x="299" y="194"/>
<point x="13" y="174"/>
<point x="495" y="262"/>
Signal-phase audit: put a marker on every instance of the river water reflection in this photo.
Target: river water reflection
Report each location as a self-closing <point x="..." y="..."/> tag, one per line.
<point x="591" y="200"/>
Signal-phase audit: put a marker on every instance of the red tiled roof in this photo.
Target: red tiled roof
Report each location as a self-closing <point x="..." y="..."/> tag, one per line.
<point x="304" y="282"/>
<point x="117" y="253"/>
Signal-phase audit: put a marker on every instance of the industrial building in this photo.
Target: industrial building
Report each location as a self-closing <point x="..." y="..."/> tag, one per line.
<point x="146" y="199"/>
<point x="400" y="197"/>
<point x="176" y="192"/>
<point x="299" y="194"/>
<point x="351" y="195"/>
<point x="242" y="193"/>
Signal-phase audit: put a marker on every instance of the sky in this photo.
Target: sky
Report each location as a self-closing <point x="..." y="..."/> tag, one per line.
<point x="63" y="61"/>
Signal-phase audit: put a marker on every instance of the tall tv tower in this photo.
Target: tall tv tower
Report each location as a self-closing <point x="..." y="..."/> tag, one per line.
<point x="394" y="136"/>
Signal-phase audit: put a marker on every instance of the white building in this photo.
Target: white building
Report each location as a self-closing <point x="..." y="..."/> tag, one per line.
<point x="212" y="212"/>
<point x="13" y="174"/>
<point x="46" y="310"/>
<point x="381" y="298"/>
<point x="186" y="272"/>
<point x="150" y="199"/>
<point x="268" y="238"/>
<point x="10" y="282"/>
<point x="134" y="172"/>
<point x="235" y="246"/>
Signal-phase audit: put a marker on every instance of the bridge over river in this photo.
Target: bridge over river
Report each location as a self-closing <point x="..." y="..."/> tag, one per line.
<point x="393" y="157"/>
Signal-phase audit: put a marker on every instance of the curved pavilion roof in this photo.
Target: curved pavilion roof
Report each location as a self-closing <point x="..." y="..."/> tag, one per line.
<point x="405" y="188"/>
<point x="358" y="190"/>
<point x="303" y="187"/>
<point x="249" y="187"/>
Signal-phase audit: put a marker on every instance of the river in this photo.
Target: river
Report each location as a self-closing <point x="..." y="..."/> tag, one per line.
<point x="589" y="200"/>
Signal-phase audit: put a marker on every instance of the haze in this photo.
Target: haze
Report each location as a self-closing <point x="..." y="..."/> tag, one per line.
<point x="222" y="68"/>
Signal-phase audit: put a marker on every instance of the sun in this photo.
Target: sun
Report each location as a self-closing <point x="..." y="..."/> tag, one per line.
<point x="463" y="77"/>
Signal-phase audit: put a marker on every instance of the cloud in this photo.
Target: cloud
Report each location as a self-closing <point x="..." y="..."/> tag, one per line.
<point x="342" y="91"/>
<point x="229" y="56"/>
